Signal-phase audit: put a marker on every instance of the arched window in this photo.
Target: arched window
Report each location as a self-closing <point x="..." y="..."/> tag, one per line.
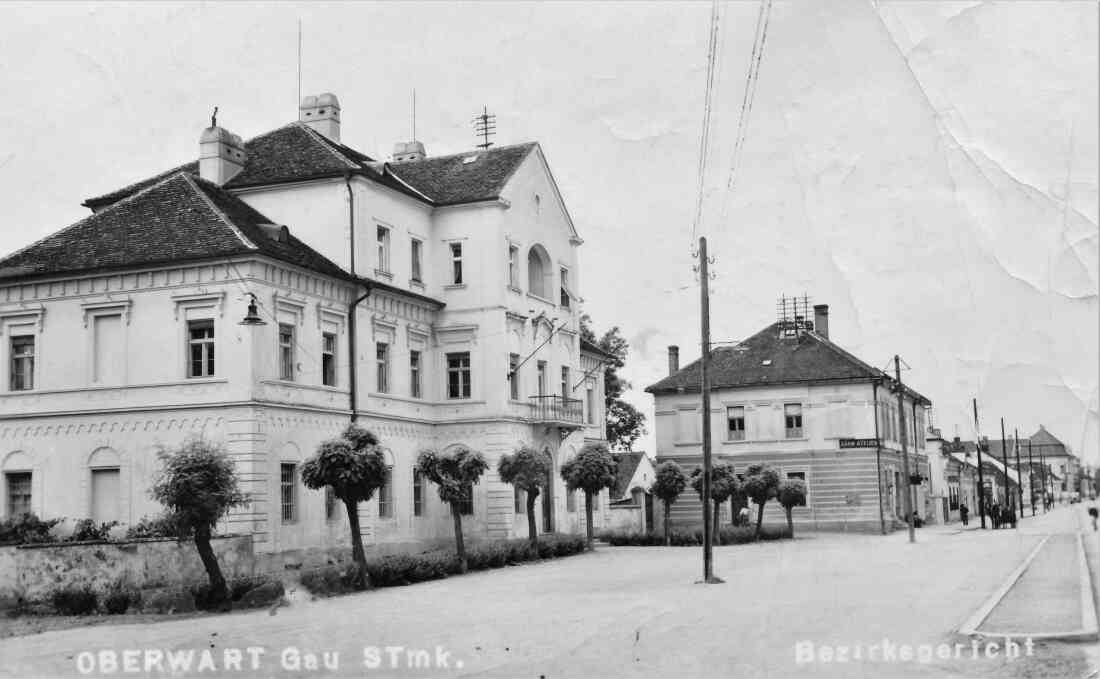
<point x="539" y="272"/>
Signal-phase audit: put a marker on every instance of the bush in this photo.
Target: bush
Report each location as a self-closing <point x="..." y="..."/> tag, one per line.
<point x="727" y="535"/>
<point x="27" y="528"/>
<point x="163" y="526"/>
<point x="86" y="530"/>
<point x="406" y="569"/>
<point x="74" y="600"/>
<point x="118" y="600"/>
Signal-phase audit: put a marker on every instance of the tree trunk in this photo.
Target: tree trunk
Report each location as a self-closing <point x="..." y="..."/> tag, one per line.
<point x="361" y="580"/>
<point x="717" y="523"/>
<point x="668" y="522"/>
<point x="790" y="522"/>
<point x="460" y="547"/>
<point x="532" y="531"/>
<point x="759" y="520"/>
<point x="218" y="590"/>
<point x="588" y="519"/>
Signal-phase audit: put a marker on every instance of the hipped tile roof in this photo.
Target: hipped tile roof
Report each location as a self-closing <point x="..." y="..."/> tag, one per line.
<point x="178" y="218"/>
<point x="766" y="358"/>
<point x="296" y="153"/>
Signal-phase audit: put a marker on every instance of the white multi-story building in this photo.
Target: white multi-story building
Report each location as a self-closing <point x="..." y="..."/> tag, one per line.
<point x="435" y="300"/>
<point x="789" y="396"/>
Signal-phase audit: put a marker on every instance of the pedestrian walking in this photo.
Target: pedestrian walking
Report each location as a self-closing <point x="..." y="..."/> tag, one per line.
<point x="964" y="514"/>
<point x="995" y="515"/>
<point x="743" y="516"/>
<point x="1094" y="513"/>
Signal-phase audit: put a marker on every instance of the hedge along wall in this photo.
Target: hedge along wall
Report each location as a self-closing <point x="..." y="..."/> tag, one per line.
<point x="33" y="572"/>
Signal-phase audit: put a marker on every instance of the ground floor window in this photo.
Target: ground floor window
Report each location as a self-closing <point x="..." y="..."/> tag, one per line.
<point x="418" y="493"/>
<point x="520" y="500"/>
<point x="19" y="493"/>
<point x="801" y="476"/>
<point x="105" y="495"/>
<point x="287" y="495"/>
<point x="385" y="496"/>
<point x="330" y="504"/>
<point x="466" y="507"/>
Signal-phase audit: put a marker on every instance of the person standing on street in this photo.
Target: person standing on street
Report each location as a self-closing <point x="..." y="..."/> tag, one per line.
<point x="964" y="514"/>
<point x="1094" y="513"/>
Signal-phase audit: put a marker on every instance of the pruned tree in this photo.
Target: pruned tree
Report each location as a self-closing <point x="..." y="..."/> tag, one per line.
<point x="454" y="471"/>
<point x="761" y="483"/>
<point x="592" y="469"/>
<point x="354" y="466"/>
<point x="528" y="470"/>
<point x="668" y="483"/>
<point x="723" y="484"/>
<point x="791" y="493"/>
<point x="198" y="485"/>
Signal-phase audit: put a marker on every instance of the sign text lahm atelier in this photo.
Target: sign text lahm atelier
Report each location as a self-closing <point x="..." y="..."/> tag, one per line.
<point x="858" y="443"/>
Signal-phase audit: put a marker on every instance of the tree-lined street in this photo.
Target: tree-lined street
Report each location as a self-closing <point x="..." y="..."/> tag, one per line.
<point x="825" y="589"/>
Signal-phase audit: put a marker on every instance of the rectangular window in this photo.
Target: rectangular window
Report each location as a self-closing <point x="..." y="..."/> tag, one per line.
<point x="328" y="359"/>
<point x="330" y="504"/>
<point x="801" y="476"/>
<point x="735" y="418"/>
<point x="383" y="249"/>
<point x="565" y="288"/>
<point x="566" y="389"/>
<point x="542" y="378"/>
<point x="458" y="375"/>
<point x="385" y="496"/>
<point x="287" y="492"/>
<point x="513" y="376"/>
<point x="382" y="363"/>
<point x="200" y="345"/>
<point x="286" y="351"/>
<point x="456" y="263"/>
<point x="418" y="493"/>
<point x="22" y="362"/>
<point x="417" y="256"/>
<point x="513" y="266"/>
<point x="520" y="498"/>
<point x="595" y="502"/>
<point x="590" y="404"/>
<point x="19" y="493"/>
<point x="466" y="508"/>
<point x="105" y="495"/>
<point x="792" y="413"/>
<point x="570" y="500"/>
<point x="108" y="356"/>
<point x="414" y="373"/>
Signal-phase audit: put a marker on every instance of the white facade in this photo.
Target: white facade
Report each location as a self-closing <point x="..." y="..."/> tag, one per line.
<point x="111" y="377"/>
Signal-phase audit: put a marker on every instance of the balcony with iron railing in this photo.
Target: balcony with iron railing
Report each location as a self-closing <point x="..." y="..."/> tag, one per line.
<point x="557" y="410"/>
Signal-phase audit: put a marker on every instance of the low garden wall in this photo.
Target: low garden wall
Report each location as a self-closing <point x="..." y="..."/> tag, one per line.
<point x="33" y="572"/>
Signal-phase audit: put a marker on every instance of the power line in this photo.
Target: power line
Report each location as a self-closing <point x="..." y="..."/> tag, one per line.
<point x="704" y="137"/>
<point x="763" y="18"/>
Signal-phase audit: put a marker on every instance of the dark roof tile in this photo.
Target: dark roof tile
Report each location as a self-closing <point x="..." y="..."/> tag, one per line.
<point x="455" y="179"/>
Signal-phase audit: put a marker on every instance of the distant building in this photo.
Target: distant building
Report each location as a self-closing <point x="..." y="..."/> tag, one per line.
<point x="791" y="397"/>
<point x="436" y="299"/>
<point x="631" y="505"/>
<point x="1058" y="457"/>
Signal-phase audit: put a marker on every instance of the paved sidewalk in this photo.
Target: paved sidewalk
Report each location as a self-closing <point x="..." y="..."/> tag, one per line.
<point x="1047" y="597"/>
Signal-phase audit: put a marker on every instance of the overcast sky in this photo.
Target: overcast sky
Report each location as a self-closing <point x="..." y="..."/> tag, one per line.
<point x="906" y="163"/>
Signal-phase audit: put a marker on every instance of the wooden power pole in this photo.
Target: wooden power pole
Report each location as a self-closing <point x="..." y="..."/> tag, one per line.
<point x="981" y="478"/>
<point x="708" y="535"/>
<point x="908" y="503"/>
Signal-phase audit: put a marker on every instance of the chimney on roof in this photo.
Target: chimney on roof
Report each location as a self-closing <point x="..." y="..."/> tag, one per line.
<point x="673" y="359"/>
<point x="221" y="155"/>
<point x="821" y="320"/>
<point x="322" y="113"/>
<point x="408" y="151"/>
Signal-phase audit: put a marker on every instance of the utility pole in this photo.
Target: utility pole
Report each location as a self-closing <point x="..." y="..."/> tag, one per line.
<point x="708" y="536"/>
<point x="904" y="451"/>
<point x="981" y="478"/>
<point x="1004" y="461"/>
<point x="1019" y="479"/>
<point x="1031" y="477"/>
<point x="1043" y="476"/>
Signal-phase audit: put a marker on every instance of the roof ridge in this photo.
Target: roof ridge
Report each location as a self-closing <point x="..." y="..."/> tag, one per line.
<point x="316" y="137"/>
<point x="489" y="150"/>
<point x="126" y="199"/>
<point x="217" y="211"/>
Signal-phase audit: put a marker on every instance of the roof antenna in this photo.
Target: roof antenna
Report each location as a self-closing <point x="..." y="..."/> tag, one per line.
<point x="214" y="117"/>
<point x="414" y="114"/>
<point x="484" y="126"/>
<point x="299" y="63"/>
